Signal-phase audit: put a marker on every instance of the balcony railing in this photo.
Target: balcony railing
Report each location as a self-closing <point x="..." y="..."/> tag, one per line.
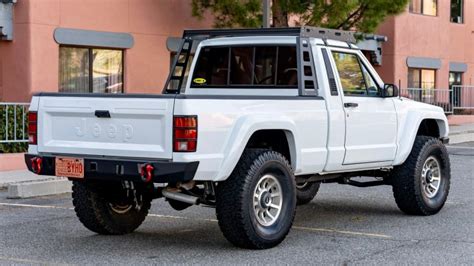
<point x="457" y="100"/>
<point x="13" y="123"/>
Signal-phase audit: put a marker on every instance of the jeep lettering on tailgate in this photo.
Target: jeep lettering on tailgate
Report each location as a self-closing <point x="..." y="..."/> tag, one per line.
<point x="112" y="131"/>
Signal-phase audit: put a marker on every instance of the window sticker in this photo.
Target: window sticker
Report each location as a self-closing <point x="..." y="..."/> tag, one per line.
<point x="199" y="81"/>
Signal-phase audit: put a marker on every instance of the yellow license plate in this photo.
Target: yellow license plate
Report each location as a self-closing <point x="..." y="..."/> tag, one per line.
<point x="70" y="167"/>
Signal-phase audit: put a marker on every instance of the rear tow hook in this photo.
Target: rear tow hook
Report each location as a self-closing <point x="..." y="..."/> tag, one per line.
<point x="146" y="172"/>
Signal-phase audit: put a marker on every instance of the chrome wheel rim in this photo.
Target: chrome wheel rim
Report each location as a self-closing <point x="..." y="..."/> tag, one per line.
<point x="431" y="177"/>
<point x="267" y="200"/>
<point x="120" y="209"/>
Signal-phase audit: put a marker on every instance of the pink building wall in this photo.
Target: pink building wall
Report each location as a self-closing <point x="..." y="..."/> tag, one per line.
<point x="29" y="64"/>
<point x="418" y="35"/>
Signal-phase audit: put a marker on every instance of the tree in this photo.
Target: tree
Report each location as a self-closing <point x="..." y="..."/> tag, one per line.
<point x="361" y="15"/>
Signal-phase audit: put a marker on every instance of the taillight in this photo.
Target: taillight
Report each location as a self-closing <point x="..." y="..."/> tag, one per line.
<point x="185" y="133"/>
<point x="33" y="128"/>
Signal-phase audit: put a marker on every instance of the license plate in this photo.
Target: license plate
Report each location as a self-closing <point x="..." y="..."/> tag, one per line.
<point x="70" y="167"/>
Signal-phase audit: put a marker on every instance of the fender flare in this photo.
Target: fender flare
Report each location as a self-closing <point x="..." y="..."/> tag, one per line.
<point x="410" y="129"/>
<point x="243" y="130"/>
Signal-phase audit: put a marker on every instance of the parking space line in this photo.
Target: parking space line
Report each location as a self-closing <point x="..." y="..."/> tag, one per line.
<point x="34" y="206"/>
<point x="326" y="230"/>
<point x="460" y="147"/>
<point x="301" y="228"/>
<point x="28" y="261"/>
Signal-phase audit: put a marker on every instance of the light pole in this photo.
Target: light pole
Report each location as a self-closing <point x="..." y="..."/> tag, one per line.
<point x="266" y="13"/>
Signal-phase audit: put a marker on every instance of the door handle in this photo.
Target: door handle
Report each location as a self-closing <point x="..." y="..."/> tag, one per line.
<point x="102" y="113"/>
<point x="349" y="105"/>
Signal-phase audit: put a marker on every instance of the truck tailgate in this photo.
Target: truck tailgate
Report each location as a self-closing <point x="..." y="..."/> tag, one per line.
<point x="106" y="126"/>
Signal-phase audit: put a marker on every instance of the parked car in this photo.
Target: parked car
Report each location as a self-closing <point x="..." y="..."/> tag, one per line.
<point x="266" y="116"/>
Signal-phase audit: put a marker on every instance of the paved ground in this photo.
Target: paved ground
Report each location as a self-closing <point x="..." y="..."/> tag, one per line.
<point x="343" y="225"/>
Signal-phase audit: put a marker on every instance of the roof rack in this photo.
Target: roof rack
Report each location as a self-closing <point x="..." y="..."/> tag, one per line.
<point x="305" y="31"/>
<point x="307" y="82"/>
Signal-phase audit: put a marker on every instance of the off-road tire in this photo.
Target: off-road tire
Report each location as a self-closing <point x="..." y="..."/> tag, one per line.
<point x="92" y="205"/>
<point x="406" y="178"/>
<point x="306" y="193"/>
<point x="234" y="200"/>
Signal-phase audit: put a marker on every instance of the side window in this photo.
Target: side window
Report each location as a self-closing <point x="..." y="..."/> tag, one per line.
<point x="372" y="87"/>
<point x="247" y="67"/>
<point x="212" y="67"/>
<point x="356" y="79"/>
<point x="350" y="74"/>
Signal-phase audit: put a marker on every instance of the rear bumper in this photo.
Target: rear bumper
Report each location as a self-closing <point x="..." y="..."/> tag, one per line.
<point x="122" y="169"/>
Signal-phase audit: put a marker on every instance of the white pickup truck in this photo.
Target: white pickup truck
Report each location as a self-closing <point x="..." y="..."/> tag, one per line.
<point x="251" y="122"/>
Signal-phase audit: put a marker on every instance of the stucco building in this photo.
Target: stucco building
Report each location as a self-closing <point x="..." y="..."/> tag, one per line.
<point x="431" y="45"/>
<point x="89" y="45"/>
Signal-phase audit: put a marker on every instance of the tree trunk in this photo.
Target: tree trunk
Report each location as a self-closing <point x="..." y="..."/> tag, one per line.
<point x="280" y="17"/>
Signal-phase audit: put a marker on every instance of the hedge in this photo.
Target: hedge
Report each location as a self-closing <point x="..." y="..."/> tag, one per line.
<point x="21" y="113"/>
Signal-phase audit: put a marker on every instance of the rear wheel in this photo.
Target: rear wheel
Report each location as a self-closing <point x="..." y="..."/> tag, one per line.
<point x="108" y="208"/>
<point x="256" y="205"/>
<point x="306" y="192"/>
<point x="421" y="184"/>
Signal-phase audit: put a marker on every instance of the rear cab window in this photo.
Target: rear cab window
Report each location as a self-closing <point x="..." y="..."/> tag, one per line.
<point x="246" y="66"/>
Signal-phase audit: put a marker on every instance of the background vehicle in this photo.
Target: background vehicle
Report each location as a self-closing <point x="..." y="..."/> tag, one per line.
<point x="265" y="117"/>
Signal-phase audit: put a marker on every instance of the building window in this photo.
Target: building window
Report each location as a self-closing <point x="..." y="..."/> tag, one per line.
<point x="425" y="7"/>
<point x="421" y="78"/>
<point x="88" y="70"/>
<point x="457" y="10"/>
<point x="246" y="66"/>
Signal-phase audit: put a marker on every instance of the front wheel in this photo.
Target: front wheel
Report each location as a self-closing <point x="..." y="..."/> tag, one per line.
<point x="256" y="205"/>
<point x="421" y="184"/>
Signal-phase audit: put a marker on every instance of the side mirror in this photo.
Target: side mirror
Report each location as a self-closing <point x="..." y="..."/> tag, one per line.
<point x="389" y="90"/>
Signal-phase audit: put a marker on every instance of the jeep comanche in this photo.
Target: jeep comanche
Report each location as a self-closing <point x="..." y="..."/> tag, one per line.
<point x="250" y="122"/>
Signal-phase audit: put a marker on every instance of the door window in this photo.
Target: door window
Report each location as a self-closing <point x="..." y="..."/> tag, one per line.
<point x="355" y="77"/>
<point x="455" y="79"/>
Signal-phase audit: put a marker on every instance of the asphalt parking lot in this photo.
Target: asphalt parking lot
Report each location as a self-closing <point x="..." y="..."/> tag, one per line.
<point x="343" y="225"/>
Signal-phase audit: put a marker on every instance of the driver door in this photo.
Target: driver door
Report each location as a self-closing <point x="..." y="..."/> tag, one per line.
<point x="371" y="120"/>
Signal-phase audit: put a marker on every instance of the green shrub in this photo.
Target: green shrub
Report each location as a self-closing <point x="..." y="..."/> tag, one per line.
<point x="21" y="116"/>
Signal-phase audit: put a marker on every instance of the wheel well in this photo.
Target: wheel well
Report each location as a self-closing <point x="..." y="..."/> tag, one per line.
<point x="429" y="127"/>
<point x="273" y="139"/>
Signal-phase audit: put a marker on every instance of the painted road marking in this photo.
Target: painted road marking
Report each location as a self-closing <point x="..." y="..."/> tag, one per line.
<point x="461" y="147"/>
<point x="301" y="228"/>
<point x="28" y="261"/>
<point x="34" y="206"/>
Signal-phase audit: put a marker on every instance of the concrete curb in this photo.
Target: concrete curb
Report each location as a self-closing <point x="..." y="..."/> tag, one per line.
<point x="460" y="137"/>
<point x="39" y="188"/>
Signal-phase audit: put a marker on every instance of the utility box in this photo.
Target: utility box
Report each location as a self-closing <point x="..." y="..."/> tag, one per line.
<point x="6" y="19"/>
